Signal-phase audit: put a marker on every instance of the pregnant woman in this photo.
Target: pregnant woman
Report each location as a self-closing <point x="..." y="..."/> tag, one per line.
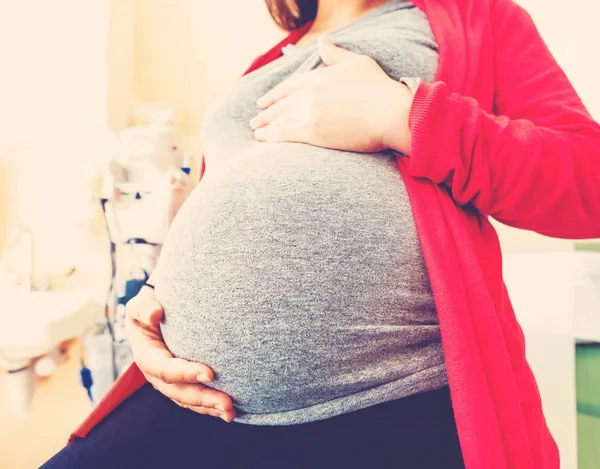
<point x="332" y="289"/>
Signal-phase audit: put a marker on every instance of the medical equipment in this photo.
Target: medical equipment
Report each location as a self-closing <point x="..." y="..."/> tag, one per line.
<point x="147" y="180"/>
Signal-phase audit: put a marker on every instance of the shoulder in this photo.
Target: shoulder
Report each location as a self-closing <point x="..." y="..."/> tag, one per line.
<point x="505" y="16"/>
<point x="495" y="11"/>
<point x="503" y="12"/>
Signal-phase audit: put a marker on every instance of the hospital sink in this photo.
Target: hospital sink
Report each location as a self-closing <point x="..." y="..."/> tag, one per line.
<point x="34" y="323"/>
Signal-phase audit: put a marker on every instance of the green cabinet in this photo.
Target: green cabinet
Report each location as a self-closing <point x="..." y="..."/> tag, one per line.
<point x="588" y="405"/>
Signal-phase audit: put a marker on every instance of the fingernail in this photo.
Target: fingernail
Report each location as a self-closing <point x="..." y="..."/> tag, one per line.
<point x="202" y="378"/>
<point x="253" y="122"/>
<point x="224" y="419"/>
<point x="220" y="407"/>
<point x="260" y="101"/>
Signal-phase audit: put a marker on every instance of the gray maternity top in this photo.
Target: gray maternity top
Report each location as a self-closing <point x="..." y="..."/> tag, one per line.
<point x="295" y="272"/>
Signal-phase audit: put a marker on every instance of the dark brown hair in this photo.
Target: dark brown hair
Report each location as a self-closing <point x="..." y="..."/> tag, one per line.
<point x="292" y="14"/>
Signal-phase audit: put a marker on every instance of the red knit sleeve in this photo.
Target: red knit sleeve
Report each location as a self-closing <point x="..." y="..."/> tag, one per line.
<point x="202" y="169"/>
<point x="532" y="164"/>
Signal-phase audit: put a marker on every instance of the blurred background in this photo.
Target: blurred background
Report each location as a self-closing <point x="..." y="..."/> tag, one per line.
<point x="100" y="107"/>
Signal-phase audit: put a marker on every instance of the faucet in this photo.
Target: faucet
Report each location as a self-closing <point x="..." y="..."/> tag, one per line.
<point x="19" y="236"/>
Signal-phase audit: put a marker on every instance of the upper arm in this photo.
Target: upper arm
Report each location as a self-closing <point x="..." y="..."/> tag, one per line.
<point x="530" y="84"/>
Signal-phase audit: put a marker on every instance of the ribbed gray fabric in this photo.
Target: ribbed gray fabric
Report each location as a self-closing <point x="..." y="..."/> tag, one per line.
<point x="295" y="272"/>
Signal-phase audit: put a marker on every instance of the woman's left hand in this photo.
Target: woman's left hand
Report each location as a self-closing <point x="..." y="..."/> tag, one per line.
<point x="349" y="105"/>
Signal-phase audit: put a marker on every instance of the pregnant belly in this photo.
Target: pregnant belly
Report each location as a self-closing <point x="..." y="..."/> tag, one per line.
<point x="291" y="277"/>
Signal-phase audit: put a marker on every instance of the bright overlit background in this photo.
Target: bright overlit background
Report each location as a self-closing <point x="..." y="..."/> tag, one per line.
<point x="70" y="73"/>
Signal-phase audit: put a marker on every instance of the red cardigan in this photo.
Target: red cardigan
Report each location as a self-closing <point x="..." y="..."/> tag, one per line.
<point x="501" y="133"/>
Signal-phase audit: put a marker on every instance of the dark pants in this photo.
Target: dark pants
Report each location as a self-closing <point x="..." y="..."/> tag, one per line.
<point x="148" y="431"/>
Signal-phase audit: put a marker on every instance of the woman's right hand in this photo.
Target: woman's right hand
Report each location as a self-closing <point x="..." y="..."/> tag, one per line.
<point x="176" y="378"/>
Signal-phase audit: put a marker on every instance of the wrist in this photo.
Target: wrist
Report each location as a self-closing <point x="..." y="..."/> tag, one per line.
<point x="396" y="131"/>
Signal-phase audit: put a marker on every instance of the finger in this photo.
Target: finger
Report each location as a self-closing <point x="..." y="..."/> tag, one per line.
<point x="332" y="54"/>
<point x="154" y="358"/>
<point x="145" y="308"/>
<point x="227" y="416"/>
<point x="151" y="313"/>
<point x="271" y="113"/>
<point x="178" y="370"/>
<point x="195" y="395"/>
<point x="281" y="131"/>
<point x="208" y="411"/>
<point x="283" y="89"/>
<point x="161" y="364"/>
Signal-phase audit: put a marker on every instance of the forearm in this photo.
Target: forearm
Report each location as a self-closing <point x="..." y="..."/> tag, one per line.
<point x="525" y="175"/>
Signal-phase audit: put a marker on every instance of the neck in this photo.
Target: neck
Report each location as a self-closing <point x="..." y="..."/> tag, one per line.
<point x="334" y="14"/>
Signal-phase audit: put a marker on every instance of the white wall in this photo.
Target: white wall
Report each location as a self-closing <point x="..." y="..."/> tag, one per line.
<point x="52" y="75"/>
<point x="67" y="72"/>
<point x="120" y="63"/>
<point x="189" y="50"/>
<point x="572" y="31"/>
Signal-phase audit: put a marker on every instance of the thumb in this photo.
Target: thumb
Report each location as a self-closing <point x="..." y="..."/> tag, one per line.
<point x="332" y="54"/>
<point x="152" y="314"/>
<point x="144" y="309"/>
